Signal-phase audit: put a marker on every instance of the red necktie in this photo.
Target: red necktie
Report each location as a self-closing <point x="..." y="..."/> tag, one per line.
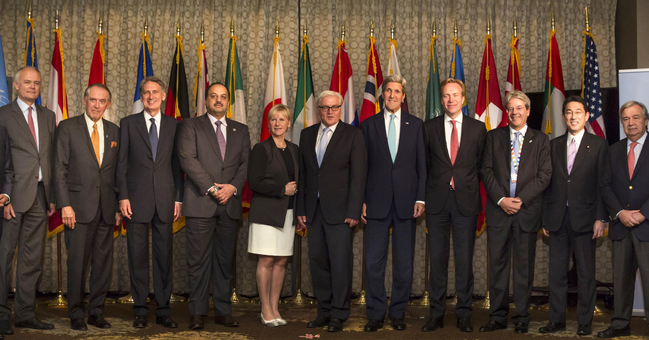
<point x="32" y="128"/>
<point x="454" y="147"/>
<point x="631" y="159"/>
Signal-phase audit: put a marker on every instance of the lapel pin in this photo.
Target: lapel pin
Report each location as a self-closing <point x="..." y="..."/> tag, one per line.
<point x="587" y="146"/>
<point x="530" y="141"/>
<point x="233" y="129"/>
<point x="407" y="123"/>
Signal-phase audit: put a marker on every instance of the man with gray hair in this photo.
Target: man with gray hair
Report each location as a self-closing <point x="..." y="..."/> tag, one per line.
<point x="30" y="199"/>
<point x="333" y="167"/>
<point x="150" y="184"/>
<point x="516" y="169"/>
<point x="626" y="195"/>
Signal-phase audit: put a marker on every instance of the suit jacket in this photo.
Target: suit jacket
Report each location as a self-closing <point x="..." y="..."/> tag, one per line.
<point x="466" y="171"/>
<point x="341" y="178"/>
<point x="79" y="181"/>
<point x="6" y="165"/>
<point x="581" y="188"/>
<point x="200" y="159"/>
<point x="267" y="178"/>
<point x="622" y="193"/>
<point x="22" y="183"/>
<point x="402" y="181"/>
<point x="149" y="185"/>
<point x="534" y="174"/>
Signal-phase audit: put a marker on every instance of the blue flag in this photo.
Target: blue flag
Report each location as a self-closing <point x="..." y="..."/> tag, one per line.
<point x="144" y="69"/>
<point x="457" y="71"/>
<point x="4" y="91"/>
<point x="31" y="59"/>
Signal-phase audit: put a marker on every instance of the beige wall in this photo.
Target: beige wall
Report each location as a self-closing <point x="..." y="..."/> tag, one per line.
<point x="632" y="34"/>
<point x="643" y="33"/>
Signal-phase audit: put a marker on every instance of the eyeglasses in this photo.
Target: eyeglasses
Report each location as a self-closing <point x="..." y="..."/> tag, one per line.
<point x="518" y="108"/>
<point x="327" y="108"/>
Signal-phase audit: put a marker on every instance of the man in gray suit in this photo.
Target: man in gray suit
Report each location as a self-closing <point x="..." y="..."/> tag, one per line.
<point x="213" y="152"/>
<point x="31" y="134"/>
<point x="84" y="182"/>
<point x="6" y="168"/>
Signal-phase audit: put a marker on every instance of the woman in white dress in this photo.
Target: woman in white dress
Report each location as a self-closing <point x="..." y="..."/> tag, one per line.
<point x="272" y="172"/>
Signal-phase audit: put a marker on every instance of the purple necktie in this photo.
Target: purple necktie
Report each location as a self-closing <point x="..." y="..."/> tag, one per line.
<point x="572" y="152"/>
<point x="220" y="138"/>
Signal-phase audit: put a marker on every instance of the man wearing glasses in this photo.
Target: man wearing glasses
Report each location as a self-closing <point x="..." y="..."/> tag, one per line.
<point x="333" y="168"/>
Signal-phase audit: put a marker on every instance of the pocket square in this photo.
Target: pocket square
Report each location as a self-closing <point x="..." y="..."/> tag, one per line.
<point x="113" y="144"/>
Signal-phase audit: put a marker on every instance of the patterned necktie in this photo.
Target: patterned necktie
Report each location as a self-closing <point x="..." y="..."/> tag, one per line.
<point x="94" y="137"/>
<point x="572" y="152"/>
<point x="392" y="138"/>
<point x="631" y="159"/>
<point x="514" y="167"/>
<point x="454" y="147"/>
<point x="322" y="147"/>
<point x="32" y="127"/>
<point x="153" y="138"/>
<point x="220" y="138"/>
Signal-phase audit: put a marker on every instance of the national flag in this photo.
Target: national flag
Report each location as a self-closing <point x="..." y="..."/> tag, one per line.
<point x="393" y="68"/>
<point x="30" y="57"/>
<point x="514" y="69"/>
<point x="234" y="83"/>
<point x="4" y="89"/>
<point x="489" y="106"/>
<point x="57" y="101"/>
<point x="144" y="69"/>
<point x="433" y="100"/>
<point x="305" y="113"/>
<point x="201" y="82"/>
<point x="372" y="98"/>
<point x="343" y="83"/>
<point x="590" y="89"/>
<point x="555" y="94"/>
<point x="177" y="104"/>
<point x="275" y="88"/>
<point x="98" y="59"/>
<point x="457" y="70"/>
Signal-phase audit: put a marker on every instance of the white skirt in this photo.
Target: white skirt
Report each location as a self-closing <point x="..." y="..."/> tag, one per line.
<point x="272" y="241"/>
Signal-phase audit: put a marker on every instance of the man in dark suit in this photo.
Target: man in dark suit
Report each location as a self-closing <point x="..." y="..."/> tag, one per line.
<point x="454" y="145"/>
<point x="149" y="180"/>
<point x="626" y="195"/>
<point x="395" y="158"/>
<point x="330" y="197"/>
<point x="6" y="168"/>
<point x="84" y="182"/>
<point x="31" y="134"/>
<point x="516" y="169"/>
<point x="574" y="215"/>
<point x="213" y="152"/>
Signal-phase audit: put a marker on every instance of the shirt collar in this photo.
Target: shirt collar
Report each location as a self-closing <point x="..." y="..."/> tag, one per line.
<point x="332" y="128"/>
<point x="148" y="117"/>
<point x="640" y="140"/>
<point x="578" y="137"/>
<point x="213" y="120"/>
<point x="397" y="115"/>
<point x="458" y="119"/>
<point x="23" y="106"/>
<point x="523" y="131"/>
<point x="89" y="121"/>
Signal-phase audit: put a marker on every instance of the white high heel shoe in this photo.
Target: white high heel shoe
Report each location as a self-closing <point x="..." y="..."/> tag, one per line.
<point x="281" y="322"/>
<point x="269" y="323"/>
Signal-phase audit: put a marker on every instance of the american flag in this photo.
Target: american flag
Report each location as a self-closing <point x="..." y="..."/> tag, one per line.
<point x="590" y="89"/>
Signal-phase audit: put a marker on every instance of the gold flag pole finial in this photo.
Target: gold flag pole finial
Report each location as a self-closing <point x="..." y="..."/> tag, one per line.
<point x="587" y="21"/>
<point x="177" y="28"/>
<point x="232" y="27"/>
<point x="146" y="27"/>
<point x="304" y="29"/>
<point x="392" y="30"/>
<point x="488" y="26"/>
<point x="371" y="28"/>
<point x="56" y="19"/>
<point x="202" y="33"/>
<point x="434" y="29"/>
<point x="553" y="19"/>
<point x="515" y="27"/>
<point x="342" y="32"/>
<point x="29" y="10"/>
<point x="101" y="25"/>
<point x="277" y="28"/>
<point x="455" y="28"/>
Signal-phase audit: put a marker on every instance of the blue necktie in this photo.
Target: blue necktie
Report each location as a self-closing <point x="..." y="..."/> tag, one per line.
<point x="392" y="138"/>
<point x="322" y="147"/>
<point x="514" y="171"/>
<point x="153" y="137"/>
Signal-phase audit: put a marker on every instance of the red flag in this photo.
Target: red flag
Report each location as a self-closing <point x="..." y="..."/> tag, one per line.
<point x="373" y="84"/>
<point x="98" y="59"/>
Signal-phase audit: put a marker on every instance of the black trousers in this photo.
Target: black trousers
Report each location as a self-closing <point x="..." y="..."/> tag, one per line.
<point x="138" y="264"/>
<point x="331" y="256"/>
<point x="439" y="233"/>
<point x="629" y="255"/>
<point x="211" y="246"/>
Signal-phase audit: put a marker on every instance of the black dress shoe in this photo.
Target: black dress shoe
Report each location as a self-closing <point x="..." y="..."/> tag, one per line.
<point x="432" y="324"/>
<point x="613" y="333"/>
<point x="493" y="325"/>
<point x="34" y="323"/>
<point x="196" y="322"/>
<point x="140" y="321"/>
<point x="335" y="325"/>
<point x="398" y="325"/>
<point x="584" y="329"/>
<point x="464" y="325"/>
<point x="98" y="321"/>
<point x="552" y="327"/>
<point x="320" y="321"/>
<point x="373" y="325"/>
<point x="226" y="320"/>
<point x="5" y="327"/>
<point x="166" y="321"/>
<point x="78" y="325"/>
<point x="520" y="328"/>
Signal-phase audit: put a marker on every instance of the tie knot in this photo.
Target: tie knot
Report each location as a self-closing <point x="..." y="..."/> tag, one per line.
<point x="572" y="141"/>
<point x="325" y="130"/>
<point x="633" y="145"/>
<point x="29" y="109"/>
<point x="392" y="115"/>
<point x="453" y="121"/>
<point x="218" y="123"/>
<point x="517" y="134"/>
<point x="152" y="120"/>
<point x="94" y="126"/>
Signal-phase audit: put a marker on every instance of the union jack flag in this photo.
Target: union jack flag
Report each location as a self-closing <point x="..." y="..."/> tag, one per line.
<point x="590" y="89"/>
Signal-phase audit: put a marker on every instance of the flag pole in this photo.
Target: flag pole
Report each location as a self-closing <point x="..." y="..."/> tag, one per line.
<point x="59" y="301"/>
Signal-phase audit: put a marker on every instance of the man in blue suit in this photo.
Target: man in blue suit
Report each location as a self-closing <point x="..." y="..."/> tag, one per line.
<point x="394" y="198"/>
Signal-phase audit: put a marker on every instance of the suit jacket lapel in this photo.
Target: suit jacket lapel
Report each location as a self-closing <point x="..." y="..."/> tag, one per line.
<point x="83" y="128"/>
<point x="107" y="141"/>
<point x="379" y="124"/>
<point x="22" y="123"/>
<point x="206" y="124"/>
<point x="229" y="142"/>
<point x="310" y="145"/>
<point x="441" y="134"/>
<point x="562" y="152"/>
<point x="42" y="129"/>
<point x="166" y="133"/>
<point x="641" y="160"/>
<point x="584" y="149"/>
<point x="505" y="143"/>
<point x="335" y="138"/>
<point x="528" y="142"/>
<point x="141" y="127"/>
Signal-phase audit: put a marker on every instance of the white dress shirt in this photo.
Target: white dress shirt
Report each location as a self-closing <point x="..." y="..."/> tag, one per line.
<point x="637" y="149"/>
<point x="448" y="130"/>
<point x="224" y="126"/>
<point x="521" y="138"/>
<point x="397" y="125"/>
<point x="578" y="137"/>
<point x="100" y="131"/>
<point x="24" y="108"/>
<point x="157" y="118"/>
<point x="321" y="131"/>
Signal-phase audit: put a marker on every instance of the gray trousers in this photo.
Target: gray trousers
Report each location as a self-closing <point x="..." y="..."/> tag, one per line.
<point x="629" y="255"/>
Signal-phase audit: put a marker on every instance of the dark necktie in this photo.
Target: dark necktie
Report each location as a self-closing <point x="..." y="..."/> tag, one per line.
<point x="153" y="137"/>
<point x="220" y="138"/>
<point x="32" y="127"/>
